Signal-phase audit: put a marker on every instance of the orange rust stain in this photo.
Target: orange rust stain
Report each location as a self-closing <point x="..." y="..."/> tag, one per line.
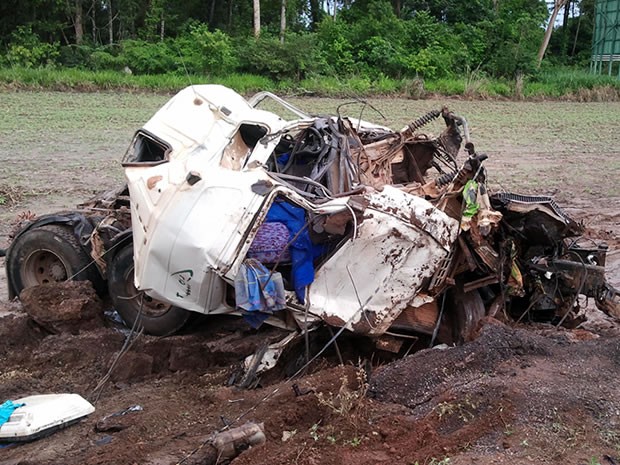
<point x="152" y="181"/>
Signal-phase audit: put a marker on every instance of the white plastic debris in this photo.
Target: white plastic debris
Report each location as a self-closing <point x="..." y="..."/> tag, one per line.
<point x="44" y="414"/>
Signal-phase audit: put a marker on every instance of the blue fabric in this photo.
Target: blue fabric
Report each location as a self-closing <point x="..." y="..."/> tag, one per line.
<point x="255" y="319"/>
<point x="258" y="291"/>
<point x="283" y="159"/>
<point x="6" y="410"/>
<point x="302" y="250"/>
<point x="262" y="293"/>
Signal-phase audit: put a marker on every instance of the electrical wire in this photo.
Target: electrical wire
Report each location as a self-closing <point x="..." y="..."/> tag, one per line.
<point x="129" y="341"/>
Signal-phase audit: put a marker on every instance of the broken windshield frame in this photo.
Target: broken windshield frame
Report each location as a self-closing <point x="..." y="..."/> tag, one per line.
<point x="258" y="98"/>
<point x="146" y="149"/>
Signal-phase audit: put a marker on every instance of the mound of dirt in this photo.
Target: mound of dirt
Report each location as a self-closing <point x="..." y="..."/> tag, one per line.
<point x="429" y="373"/>
<point x="513" y="395"/>
<point x="18" y="334"/>
<point x="68" y="306"/>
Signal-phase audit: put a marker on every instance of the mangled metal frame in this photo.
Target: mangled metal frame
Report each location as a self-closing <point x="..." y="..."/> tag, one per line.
<point x="402" y="227"/>
<point x="416" y="243"/>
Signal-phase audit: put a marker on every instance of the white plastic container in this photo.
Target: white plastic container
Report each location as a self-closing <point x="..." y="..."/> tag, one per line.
<point x="44" y="414"/>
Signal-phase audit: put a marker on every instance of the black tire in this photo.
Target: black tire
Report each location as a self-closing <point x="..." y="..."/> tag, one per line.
<point x="468" y="310"/>
<point x="47" y="254"/>
<point x="156" y="318"/>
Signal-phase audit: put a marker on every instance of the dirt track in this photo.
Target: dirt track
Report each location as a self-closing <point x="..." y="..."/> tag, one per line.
<point x="515" y="395"/>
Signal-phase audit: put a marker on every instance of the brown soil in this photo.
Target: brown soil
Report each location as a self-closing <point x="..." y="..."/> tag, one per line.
<point x="514" y="395"/>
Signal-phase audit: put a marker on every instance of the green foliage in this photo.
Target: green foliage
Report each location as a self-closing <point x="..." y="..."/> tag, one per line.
<point x="497" y="88"/>
<point x="204" y="51"/>
<point x="477" y="49"/>
<point x="197" y="51"/>
<point x="336" y="54"/>
<point x="74" y="56"/>
<point x="384" y="85"/>
<point x="245" y="83"/>
<point x="558" y="83"/>
<point x="446" y="86"/>
<point x="575" y="83"/>
<point x="26" y="49"/>
<point x="72" y="78"/>
<point x="399" y="39"/>
<point x="268" y="56"/>
<point x="472" y="46"/>
<point x="381" y="44"/>
<point x="379" y="54"/>
<point x="102" y="59"/>
<point x="144" y="57"/>
<point x="423" y="30"/>
<point x="513" y="37"/>
<point x="573" y="79"/>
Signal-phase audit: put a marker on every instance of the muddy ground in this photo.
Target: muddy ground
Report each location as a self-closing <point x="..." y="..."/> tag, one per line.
<point x="516" y="395"/>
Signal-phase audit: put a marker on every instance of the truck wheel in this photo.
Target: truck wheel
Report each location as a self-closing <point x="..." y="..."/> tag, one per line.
<point x="468" y="310"/>
<point x="157" y="318"/>
<point x="48" y="254"/>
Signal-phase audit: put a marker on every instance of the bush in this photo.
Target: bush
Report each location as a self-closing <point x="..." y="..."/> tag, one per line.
<point x="202" y="51"/>
<point x="267" y="56"/>
<point x="336" y="53"/>
<point x="27" y="50"/>
<point x="382" y="56"/>
<point x="75" y="56"/>
<point x="102" y="59"/>
<point x="148" y="58"/>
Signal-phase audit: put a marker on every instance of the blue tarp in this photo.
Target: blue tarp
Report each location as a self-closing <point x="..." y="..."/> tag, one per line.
<point x="6" y="410"/>
<point x="302" y="250"/>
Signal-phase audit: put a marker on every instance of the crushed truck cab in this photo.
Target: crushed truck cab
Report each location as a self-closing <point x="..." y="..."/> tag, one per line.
<point x="202" y="197"/>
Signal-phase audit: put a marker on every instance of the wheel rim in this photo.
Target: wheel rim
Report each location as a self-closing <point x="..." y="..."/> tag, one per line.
<point x="42" y="267"/>
<point x="470" y="310"/>
<point x="150" y="307"/>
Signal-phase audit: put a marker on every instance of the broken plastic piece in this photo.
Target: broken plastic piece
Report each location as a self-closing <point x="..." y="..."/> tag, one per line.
<point x="231" y="443"/>
<point x="43" y="414"/>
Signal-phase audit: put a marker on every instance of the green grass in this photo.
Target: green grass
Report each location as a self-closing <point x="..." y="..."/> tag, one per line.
<point x="557" y="83"/>
<point x="573" y="80"/>
<point x="76" y="79"/>
<point x="573" y="84"/>
<point x="448" y="86"/>
<point x="354" y="86"/>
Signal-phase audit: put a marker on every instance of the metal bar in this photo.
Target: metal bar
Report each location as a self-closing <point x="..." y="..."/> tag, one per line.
<point x="595" y="40"/>
<point x="614" y="44"/>
<point x="486" y="281"/>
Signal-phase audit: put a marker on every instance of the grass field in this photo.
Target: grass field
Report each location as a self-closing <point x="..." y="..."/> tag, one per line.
<point x="60" y="147"/>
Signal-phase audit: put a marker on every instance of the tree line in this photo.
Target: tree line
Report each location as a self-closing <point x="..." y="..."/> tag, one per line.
<point x="289" y="39"/>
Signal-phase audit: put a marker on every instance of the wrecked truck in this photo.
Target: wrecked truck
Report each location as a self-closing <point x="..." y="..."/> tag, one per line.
<point x="294" y="220"/>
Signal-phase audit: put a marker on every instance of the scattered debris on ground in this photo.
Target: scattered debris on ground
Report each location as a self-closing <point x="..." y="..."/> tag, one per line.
<point x="517" y="394"/>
